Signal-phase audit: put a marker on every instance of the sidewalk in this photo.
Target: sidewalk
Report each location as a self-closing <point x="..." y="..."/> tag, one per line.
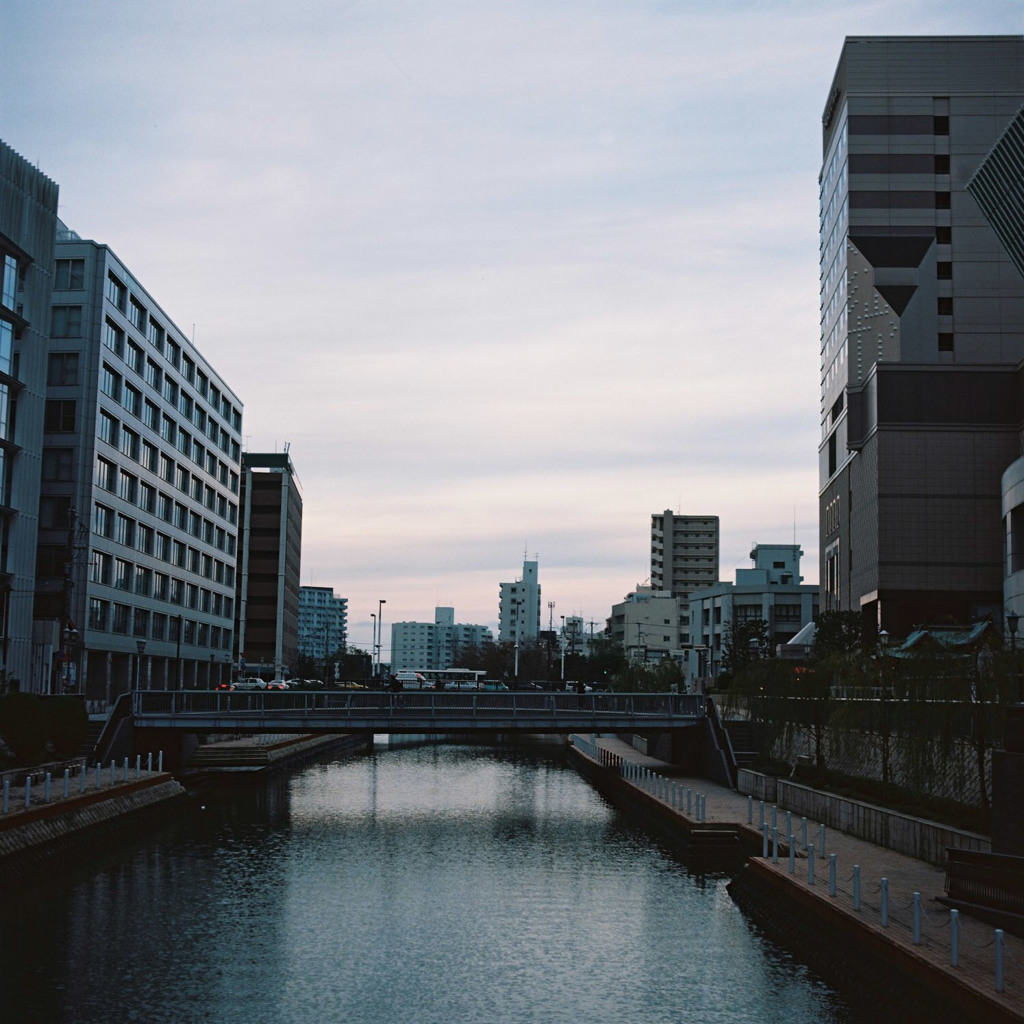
<point x="905" y="876"/>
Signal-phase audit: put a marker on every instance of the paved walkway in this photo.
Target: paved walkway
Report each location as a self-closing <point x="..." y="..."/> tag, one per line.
<point x="905" y="876"/>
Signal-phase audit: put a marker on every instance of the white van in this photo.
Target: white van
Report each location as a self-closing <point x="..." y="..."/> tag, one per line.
<point x="409" y="680"/>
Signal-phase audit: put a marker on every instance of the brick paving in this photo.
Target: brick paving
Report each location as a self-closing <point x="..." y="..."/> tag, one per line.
<point x="905" y="876"/>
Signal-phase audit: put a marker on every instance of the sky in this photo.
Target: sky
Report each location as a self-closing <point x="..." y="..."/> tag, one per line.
<point x="506" y="278"/>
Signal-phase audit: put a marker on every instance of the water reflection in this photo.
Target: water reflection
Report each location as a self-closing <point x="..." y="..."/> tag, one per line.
<point x="439" y="883"/>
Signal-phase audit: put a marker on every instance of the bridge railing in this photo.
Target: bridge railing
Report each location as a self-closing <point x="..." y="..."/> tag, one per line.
<point x="416" y="703"/>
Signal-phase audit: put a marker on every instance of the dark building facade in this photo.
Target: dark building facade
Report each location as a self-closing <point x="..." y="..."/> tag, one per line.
<point x="922" y="331"/>
<point x="267" y="626"/>
<point x="28" y="220"/>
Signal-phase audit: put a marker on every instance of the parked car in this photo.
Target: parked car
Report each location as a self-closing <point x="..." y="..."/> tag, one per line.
<point x="250" y="683"/>
<point x="277" y="684"/>
<point x="224" y="686"/>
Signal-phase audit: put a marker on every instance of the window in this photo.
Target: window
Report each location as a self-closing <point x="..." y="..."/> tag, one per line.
<point x="131" y="399"/>
<point x="236" y="420"/>
<point x="122" y="574"/>
<point x="9" y="281"/>
<point x="133" y="357"/>
<point x="160" y="586"/>
<point x="185" y="405"/>
<point x="163" y="547"/>
<point x="177" y="590"/>
<point x="154" y="375"/>
<point x="188" y="369"/>
<point x="143" y="580"/>
<point x="155" y="334"/>
<point x="113" y="337"/>
<point x="99" y="612"/>
<point x="69" y="275"/>
<point x="945" y="305"/>
<point x="106" y="474"/>
<point x="125" y="530"/>
<point x="140" y="628"/>
<point x="130" y="443"/>
<point x="110" y="382"/>
<point x="137" y="315"/>
<point x="62" y="369"/>
<point x="109" y="428"/>
<point x="121" y="613"/>
<point x="168" y="428"/>
<point x="59" y="417"/>
<point x="129" y="487"/>
<point x="102" y="567"/>
<point x="942" y="201"/>
<point x="197" y="488"/>
<point x="201" y="383"/>
<point x="944" y="235"/>
<point x="159" y="626"/>
<point x="182" y="479"/>
<point x="150" y="456"/>
<point x="944" y="270"/>
<point x="58" y="464"/>
<point x="946" y="341"/>
<point x="166" y="468"/>
<point x="54" y="511"/>
<point x="170" y="391"/>
<point x="193" y="561"/>
<point x="116" y="292"/>
<point x="180" y="516"/>
<point x="942" y="163"/>
<point x="147" y="497"/>
<point x="151" y="415"/>
<point x="189" y="632"/>
<point x="940" y="125"/>
<point x="178" y="551"/>
<point x="144" y="538"/>
<point x="66" y="322"/>
<point x="204" y="635"/>
<point x="6" y="345"/>
<point x="184" y="442"/>
<point x="165" y="507"/>
<point x="191" y="596"/>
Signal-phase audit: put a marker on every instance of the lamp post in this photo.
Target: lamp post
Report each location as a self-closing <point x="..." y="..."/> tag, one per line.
<point x="380" y="631"/>
<point x="373" y="649"/>
<point x="563" y="649"/>
<point x="140" y="646"/>
<point x="1012" y="620"/>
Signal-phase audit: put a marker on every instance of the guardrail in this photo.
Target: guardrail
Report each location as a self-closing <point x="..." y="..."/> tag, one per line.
<point x="484" y="708"/>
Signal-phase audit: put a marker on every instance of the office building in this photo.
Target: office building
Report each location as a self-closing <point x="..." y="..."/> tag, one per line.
<point x="684" y="552"/>
<point x="435" y="645"/>
<point x="267" y="625"/>
<point x="650" y="625"/>
<point x="772" y="591"/>
<point x="140" y="480"/>
<point x="519" y="607"/>
<point x="28" y="218"/>
<point x="922" y="331"/>
<point x="323" y="623"/>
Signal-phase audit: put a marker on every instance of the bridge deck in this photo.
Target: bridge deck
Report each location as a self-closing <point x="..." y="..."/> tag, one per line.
<point x="422" y="711"/>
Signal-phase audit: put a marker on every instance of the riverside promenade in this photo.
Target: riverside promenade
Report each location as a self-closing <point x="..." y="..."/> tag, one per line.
<point x="971" y="984"/>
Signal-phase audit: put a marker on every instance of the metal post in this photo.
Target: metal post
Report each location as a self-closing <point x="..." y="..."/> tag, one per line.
<point x="803" y="833"/>
<point x="149" y="761"/>
<point x="138" y="766"/>
<point x="917" y="919"/>
<point x="775" y="815"/>
<point x="954" y="938"/>
<point x="113" y="771"/>
<point x="792" y="853"/>
<point x="885" y="902"/>
<point x="7" y="795"/>
<point x="46" y="789"/>
<point x="67" y="781"/>
<point x="821" y="839"/>
<point x="775" y="844"/>
<point x="789" y="823"/>
<point x="28" y="790"/>
<point x="856" y="887"/>
<point x="160" y="762"/>
<point x="999" y="960"/>
<point x="125" y="770"/>
<point x="810" y="864"/>
<point x="689" y="805"/>
<point x="764" y="840"/>
<point x="99" y="770"/>
<point x="750" y="810"/>
<point x="81" y="782"/>
<point x="831" y="874"/>
<point x="760" y="813"/>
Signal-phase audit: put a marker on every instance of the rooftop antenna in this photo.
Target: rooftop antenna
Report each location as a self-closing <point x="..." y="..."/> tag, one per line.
<point x="794" y="526"/>
<point x="287" y="445"/>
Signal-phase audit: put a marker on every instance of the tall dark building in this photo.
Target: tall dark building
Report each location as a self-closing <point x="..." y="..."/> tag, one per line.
<point x="922" y="331"/>
<point x="267" y="605"/>
<point x="28" y="222"/>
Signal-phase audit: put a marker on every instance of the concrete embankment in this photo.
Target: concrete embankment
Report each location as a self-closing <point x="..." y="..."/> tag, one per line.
<point x="837" y="928"/>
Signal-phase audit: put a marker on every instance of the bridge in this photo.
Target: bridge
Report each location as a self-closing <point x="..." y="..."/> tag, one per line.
<point x="417" y="711"/>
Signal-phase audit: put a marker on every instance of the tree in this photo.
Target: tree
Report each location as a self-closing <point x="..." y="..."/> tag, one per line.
<point x="744" y="642"/>
<point x="836" y="633"/>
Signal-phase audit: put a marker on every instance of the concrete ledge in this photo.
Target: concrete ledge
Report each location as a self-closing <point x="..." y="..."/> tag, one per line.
<point x="916" y="837"/>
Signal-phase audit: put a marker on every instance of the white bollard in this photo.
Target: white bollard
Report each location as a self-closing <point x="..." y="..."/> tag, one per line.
<point x="67" y="781"/>
<point x="113" y="772"/>
<point x="750" y="810"/>
<point x="775" y="815"/>
<point x="760" y="813"/>
<point x="789" y="823"/>
<point x="764" y="840"/>
<point x="792" y="853"/>
<point x="821" y="839"/>
<point x="803" y="833"/>
<point x="160" y="762"/>
<point x="149" y="761"/>
<point x="125" y="779"/>
<point x="138" y="766"/>
<point x="831" y="874"/>
<point x="775" y="844"/>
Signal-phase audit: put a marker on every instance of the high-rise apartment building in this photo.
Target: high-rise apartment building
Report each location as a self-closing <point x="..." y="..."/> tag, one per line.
<point x="435" y="645"/>
<point x="323" y="622"/>
<point x="922" y="331"/>
<point x="684" y="552"/>
<point x="267" y="627"/>
<point x="138" y="517"/>
<point x="28" y="218"/>
<point x="519" y="607"/>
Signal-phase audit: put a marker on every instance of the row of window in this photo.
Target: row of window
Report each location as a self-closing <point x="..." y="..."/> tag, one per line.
<point x="143" y="538"/>
<point x="114" y="617"/>
<point x="111" y="571"/>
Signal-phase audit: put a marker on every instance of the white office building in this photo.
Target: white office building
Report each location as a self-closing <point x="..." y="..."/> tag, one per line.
<point x="140" y="486"/>
<point x="519" y="607"/>
<point x="435" y="645"/>
<point x="323" y="622"/>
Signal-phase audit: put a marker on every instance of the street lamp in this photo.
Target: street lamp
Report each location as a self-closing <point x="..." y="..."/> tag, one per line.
<point x="380" y="630"/>
<point x="563" y="648"/>
<point x="70" y="637"/>
<point x="140" y="646"/>
<point x="373" y="649"/>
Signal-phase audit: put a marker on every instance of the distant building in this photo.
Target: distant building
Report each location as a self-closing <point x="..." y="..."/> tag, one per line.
<point x="269" y="565"/>
<point x="519" y="607"/>
<point x="650" y="625"/>
<point x="140" y="480"/>
<point x="28" y="219"/>
<point x="773" y="590"/>
<point x="434" y="645"/>
<point x="684" y="552"/>
<point x="323" y="623"/>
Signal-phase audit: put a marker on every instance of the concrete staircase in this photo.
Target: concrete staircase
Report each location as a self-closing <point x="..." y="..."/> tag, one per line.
<point x="743" y="738"/>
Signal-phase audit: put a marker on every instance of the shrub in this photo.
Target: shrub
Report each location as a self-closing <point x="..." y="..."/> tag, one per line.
<point x="67" y="724"/>
<point x="23" y="725"/>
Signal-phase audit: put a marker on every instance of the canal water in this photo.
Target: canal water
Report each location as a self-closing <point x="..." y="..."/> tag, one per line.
<point x="431" y="884"/>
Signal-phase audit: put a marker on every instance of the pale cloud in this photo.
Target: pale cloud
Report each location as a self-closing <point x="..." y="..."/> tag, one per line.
<point x="507" y="277"/>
